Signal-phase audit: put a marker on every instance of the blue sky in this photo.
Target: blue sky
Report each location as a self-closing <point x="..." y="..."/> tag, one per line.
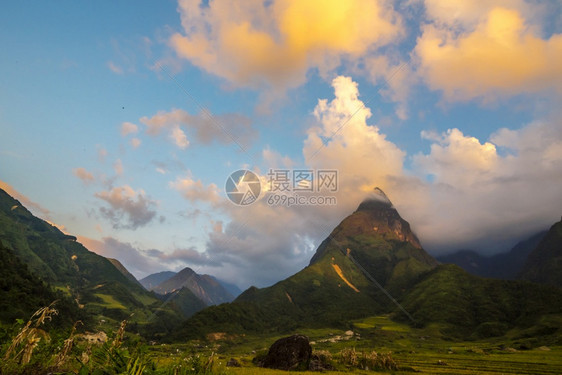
<point x="121" y="122"/>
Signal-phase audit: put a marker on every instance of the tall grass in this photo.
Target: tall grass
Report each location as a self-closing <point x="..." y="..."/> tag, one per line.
<point x="367" y="360"/>
<point x="25" y="355"/>
<point x="24" y="343"/>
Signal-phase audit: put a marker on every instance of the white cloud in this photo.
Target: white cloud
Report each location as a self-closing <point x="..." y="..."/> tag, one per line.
<point x="179" y="137"/>
<point x="128" y="128"/>
<point x="394" y="75"/>
<point x="195" y="190"/>
<point x="143" y="262"/>
<point x="225" y="128"/>
<point x="456" y="159"/>
<point x="118" y="167"/>
<point x="136" y="261"/>
<point x="135" y="142"/>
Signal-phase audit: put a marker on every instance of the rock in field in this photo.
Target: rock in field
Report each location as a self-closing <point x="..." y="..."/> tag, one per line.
<point x="289" y="353"/>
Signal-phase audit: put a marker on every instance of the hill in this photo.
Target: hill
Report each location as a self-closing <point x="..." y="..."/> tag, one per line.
<point x="22" y="293"/>
<point x="185" y="301"/>
<point x="99" y="288"/>
<point x="544" y="264"/>
<point x="504" y="266"/>
<point x="475" y="308"/>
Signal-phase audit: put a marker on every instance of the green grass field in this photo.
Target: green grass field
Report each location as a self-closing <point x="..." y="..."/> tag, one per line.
<point x="416" y="350"/>
<point x="425" y="350"/>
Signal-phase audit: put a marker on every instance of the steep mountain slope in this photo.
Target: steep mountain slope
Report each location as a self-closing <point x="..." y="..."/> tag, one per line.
<point x="152" y="281"/>
<point x="22" y="293"/>
<point x="380" y="241"/>
<point x="117" y="264"/>
<point x="205" y="287"/>
<point x="504" y="266"/>
<point x="544" y="264"/>
<point x="58" y="259"/>
<point x="373" y="243"/>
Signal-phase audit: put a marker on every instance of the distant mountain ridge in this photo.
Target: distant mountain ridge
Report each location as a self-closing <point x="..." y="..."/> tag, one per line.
<point x="205" y="287"/>
<point x="152" y="281"/>
<point x="505" y="266"/>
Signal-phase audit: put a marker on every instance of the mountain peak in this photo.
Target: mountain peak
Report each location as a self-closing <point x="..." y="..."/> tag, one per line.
<point x="375" y="200"/>
<point x="376" y="235"/>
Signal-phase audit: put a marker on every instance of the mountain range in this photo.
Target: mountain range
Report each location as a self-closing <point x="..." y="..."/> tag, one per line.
<point x="507" y="265"/>
<point x="205" y="287"/>
<point x="188" y="290"/>
<point x="371" y="263"/>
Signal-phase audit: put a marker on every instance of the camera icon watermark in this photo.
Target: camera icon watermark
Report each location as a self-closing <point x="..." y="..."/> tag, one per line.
<point x="284" y="187"/>
<point x="243" y="187"/>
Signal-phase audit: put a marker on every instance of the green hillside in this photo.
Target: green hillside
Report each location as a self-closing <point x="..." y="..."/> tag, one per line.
<point x="22" y="293"/>
<point x="185" y="301"/>
<point x="544" y="264"/>
<point x="505" y="265"/>
<point x="97" y="286"/>
<point x="474" y="307"/>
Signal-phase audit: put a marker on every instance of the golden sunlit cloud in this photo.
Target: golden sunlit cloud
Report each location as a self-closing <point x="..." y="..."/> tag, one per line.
<point x="254" y="43"/>
<point x="503" y="56"/>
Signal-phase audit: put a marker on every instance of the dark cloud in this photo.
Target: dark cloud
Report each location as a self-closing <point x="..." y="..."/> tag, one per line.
<point x="129" y="209"/>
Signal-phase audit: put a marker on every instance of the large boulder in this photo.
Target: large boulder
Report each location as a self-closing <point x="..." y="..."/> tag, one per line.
<point x="289" y="353"/>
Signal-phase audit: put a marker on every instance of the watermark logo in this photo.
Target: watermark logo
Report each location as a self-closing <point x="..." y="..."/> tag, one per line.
<point x="243" y="187"/>
<point x="284" y="187"/>
<point x="302" y="180"/>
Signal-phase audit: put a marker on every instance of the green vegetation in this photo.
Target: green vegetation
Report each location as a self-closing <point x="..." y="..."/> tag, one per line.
<point x="375" y="343"/>
<point x="544" y="264"/>
<point x="476" y="308"/>
<point x="39" y="264"/>
<point x="22" y="293"/>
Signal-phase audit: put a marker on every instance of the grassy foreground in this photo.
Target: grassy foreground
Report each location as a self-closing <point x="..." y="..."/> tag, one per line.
<point x="373" y="344"/>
